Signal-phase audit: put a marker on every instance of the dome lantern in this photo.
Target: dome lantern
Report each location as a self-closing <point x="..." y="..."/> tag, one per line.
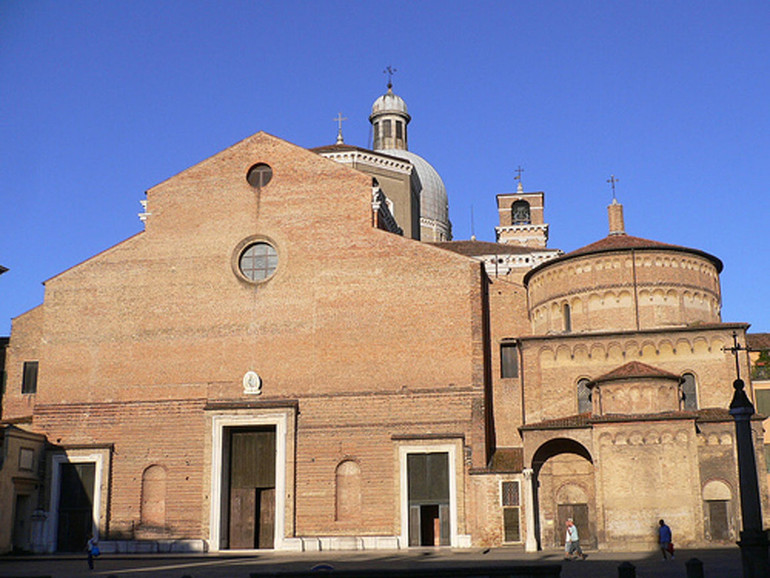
<point x="389" y="119"/>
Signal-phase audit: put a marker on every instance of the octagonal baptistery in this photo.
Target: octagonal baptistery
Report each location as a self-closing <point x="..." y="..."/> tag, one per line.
<point x="624" y="283"/>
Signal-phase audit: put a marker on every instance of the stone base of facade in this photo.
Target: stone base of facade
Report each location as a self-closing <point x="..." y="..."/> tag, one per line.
<point x="338" y="543"/>
<point x="153" y="546"/>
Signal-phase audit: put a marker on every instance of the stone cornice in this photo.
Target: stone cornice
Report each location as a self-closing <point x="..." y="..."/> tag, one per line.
<point x="353" y="157"/>
<point x="713" y="328"/>
<point x="515" y="228"/>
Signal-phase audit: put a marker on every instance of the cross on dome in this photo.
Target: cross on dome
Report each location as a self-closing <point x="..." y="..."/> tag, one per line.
<point x="390" y="71"/>
<point x="339" y="120"/>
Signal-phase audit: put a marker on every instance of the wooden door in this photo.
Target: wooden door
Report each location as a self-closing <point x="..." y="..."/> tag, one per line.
<point x="251" y="510"/>
<point x="719" y="526"/>
<point x="243" y="511"/>
<point x="428" y="498"/>
<point x="266" y="526"/>
<point x="579" y="515"/>
<point x="21" y="523"/>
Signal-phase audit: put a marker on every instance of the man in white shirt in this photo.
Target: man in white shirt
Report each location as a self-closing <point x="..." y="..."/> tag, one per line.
<point x="572" y="543"/>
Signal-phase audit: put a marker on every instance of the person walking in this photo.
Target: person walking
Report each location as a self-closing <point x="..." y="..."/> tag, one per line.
<point x="572" y="548"/>
<point x="92" y="547"/>
<point x="664" y="540"/>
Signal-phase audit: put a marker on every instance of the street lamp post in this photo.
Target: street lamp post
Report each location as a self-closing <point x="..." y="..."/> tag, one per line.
<point x="753" y="542"/>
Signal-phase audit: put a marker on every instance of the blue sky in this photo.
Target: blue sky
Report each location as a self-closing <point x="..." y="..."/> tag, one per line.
<point x="99" y="101"/>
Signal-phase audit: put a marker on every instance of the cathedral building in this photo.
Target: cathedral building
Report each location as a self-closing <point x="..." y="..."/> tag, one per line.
<point x="258" y="370"/>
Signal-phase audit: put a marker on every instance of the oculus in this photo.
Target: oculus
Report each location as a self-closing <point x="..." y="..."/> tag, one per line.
<point x="258" y="261"/>
<point x="259" y="175"/>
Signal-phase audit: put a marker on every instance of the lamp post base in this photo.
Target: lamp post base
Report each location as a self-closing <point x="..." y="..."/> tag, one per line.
<point x="754" y="546"/>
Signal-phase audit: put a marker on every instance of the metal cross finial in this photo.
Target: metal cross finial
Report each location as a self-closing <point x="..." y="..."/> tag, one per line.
<point x="390" y="71"/>
<point x="735" y="350"/>
<point x="518" y="172"/>
<point x="612" y="180"/>
<point x="339" y="120"/>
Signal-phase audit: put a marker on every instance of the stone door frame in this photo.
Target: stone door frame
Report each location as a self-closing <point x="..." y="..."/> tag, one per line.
<point x="219" y="423"/>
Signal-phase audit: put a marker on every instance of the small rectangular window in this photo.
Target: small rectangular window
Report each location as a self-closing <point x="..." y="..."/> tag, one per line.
<point x="26" y="458"/>
<point x="509" y="360"/>
<point x="511" y="511"/>
<point x="510" y="493"/>
<point x="29" y="380"/>
<point x="763" y="401"/>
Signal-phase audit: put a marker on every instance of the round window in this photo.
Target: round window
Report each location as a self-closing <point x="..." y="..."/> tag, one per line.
<point x="259" y="175"/>
<point x="258" y="261"/>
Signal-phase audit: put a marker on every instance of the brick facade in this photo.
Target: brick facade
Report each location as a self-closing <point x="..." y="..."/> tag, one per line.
<point x="376" y="363"/>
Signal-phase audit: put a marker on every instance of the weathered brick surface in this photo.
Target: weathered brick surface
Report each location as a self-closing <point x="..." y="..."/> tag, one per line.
<point x="374" y="334"/>
<point x="367" y="343"/>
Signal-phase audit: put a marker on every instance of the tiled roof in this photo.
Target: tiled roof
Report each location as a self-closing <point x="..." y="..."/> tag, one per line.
<point x="635" y="369"/>
<point x="507" y="460"/>
<point x="624" y="243"/>
<point x="568" y="422"/>
<point x="478" y="248"/>
<point x="714" y="414"/>
<point x="627" y="242"/>
<point x="758" y="340"/>
<point x="626" y="417"/>
<point x="620" y="242"/>
<point x="584" y="420"/>
<point x="336" y="148"/>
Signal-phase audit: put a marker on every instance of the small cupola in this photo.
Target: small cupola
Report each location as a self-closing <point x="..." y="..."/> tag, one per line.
<point x="389" y="119"/>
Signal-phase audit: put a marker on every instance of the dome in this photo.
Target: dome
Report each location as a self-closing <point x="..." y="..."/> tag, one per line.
<point x="389" y="103"/>
<point x="434" y="204"/>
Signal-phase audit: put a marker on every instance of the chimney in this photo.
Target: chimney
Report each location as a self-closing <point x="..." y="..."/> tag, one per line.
<point x="615" y="212"/>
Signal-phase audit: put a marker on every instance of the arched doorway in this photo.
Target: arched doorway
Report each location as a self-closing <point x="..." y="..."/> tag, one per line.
<point x="563" y="487"/>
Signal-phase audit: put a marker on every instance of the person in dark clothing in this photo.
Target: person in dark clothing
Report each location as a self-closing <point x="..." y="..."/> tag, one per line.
<point x="664" y="539"/>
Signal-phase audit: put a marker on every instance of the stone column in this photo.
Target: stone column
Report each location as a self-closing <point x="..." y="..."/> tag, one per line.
<point x="754" y="542"/>
<point x="529" y="509"/>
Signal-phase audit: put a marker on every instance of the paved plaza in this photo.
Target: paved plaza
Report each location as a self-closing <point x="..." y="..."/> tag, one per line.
<point x="717" y="563"/>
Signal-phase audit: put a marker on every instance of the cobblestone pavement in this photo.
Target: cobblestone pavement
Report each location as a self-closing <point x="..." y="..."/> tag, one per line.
<point x="717" y="563"/>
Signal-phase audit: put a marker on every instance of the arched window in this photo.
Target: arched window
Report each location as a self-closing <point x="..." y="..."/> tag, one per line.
<point x="584" y="396"/>
<point x="348" y="491"/>
<point x="154" y="497"/>
<point x="689" y="392"/>
<point x="520" y="213"/>
<point x="567" y="315"/>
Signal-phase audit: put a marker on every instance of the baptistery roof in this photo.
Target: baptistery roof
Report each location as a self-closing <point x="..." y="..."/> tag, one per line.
<point x="623" y="243"/>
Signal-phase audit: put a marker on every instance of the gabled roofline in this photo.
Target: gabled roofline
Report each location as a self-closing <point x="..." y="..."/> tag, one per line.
<point x="92" y="257"/>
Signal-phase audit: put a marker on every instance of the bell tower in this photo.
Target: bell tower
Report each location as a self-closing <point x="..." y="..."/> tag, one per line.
<point x="521" y="218"/>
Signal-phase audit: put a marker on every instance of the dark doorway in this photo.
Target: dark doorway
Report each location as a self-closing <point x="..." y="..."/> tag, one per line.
<point x="76" y="498"/>
<point x="250" y="487"/>
<point x="579" y="515"/>
<point x="428" y="476"/>
<point x="719" y="526"/>
<point x="22" y="515"/>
